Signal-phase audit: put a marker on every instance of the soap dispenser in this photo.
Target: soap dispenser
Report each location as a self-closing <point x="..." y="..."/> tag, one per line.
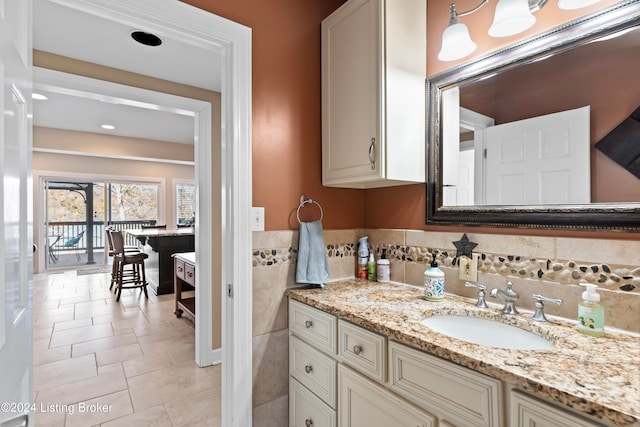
<point x="590" y="312"/>
<point x="434" y="282"/>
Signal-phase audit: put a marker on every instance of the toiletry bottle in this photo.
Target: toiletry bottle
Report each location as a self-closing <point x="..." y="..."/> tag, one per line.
<point x="434" y="282"/>
<point x="383" y="268"/>
<point x="371" y="268"/>
<point x="590" y="312"/>
<point x="363" y="256"/>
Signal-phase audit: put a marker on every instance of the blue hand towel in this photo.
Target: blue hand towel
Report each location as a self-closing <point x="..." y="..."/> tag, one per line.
<point x="313" y="266"/>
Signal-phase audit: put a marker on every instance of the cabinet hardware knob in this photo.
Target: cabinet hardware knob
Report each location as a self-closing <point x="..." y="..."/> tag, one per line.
<point x="372" y="160"/>
<point x="308" y="422"/>
<point x="357" y="349"/>
<point x="308" y="324"/>
<point x="308" y="369"/>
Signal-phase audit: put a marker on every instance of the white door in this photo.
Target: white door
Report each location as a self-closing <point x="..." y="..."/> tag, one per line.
<point x="543" y="160"/>
<point x="15" y="217"/>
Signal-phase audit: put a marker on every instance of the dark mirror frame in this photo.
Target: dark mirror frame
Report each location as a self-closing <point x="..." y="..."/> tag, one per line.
<point x="608" y="217"/>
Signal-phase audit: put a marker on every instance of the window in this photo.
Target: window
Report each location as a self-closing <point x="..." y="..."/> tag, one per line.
<point x="186" y="204"/>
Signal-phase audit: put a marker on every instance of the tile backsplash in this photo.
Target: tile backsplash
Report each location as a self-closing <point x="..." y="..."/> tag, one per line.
<point x="554" y="267"/>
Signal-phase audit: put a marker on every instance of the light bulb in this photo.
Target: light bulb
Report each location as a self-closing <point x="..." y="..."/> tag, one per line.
<point x="511" y="17"/>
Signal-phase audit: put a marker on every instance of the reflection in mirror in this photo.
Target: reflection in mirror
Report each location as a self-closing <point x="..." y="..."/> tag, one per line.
<point x="539" y="148"/>
<point x="517" y="131"/>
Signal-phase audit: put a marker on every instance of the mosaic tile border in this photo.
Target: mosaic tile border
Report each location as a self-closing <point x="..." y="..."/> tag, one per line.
<point x="615" y="277"/>
<point x="606" y="276"/>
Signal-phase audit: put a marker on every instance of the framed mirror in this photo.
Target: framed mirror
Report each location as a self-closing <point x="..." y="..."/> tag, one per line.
<point x="542" y="134"/>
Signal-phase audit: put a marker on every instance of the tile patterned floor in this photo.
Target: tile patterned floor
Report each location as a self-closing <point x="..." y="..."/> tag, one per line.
<point x="102" y="363"/>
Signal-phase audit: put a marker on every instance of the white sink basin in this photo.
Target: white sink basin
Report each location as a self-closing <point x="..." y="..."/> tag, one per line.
<point x="486" y="332"/>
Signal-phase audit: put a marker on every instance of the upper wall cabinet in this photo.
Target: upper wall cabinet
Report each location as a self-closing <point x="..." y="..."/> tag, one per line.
<point x="373" y="94"/>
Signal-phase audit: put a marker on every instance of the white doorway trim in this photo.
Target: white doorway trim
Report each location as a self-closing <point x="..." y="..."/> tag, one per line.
<point x="477" y="122"/>
<point x="232" y="42"/>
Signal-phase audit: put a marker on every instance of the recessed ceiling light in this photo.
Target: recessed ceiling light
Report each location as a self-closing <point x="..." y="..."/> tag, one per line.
<point x="146" y="39"/>
<point x="38" y="96"/>
<point x="108" y="127"/>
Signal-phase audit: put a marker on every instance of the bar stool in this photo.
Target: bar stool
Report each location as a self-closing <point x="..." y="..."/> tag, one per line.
<point x="137" y="277"/>
<point x="129" y="250"/>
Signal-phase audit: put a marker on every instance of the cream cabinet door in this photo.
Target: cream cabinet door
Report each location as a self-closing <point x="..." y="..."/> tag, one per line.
<point x="364" y="403"/>
<point x="373" y="85"/>
<point x="351" y="93"/>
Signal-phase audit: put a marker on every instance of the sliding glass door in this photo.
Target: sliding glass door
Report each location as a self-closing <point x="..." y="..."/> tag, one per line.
<point x="76" y="214"/>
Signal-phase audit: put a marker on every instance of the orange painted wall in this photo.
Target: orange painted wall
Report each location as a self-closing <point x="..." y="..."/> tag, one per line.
<point x="287" y="156"/>
<point x="287" y="119"/>
<point x="405" y="207"/>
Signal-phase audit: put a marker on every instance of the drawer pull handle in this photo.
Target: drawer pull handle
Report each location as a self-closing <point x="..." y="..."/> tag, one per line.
<point x="308" y="369"/>
<point x="308" y="422"/>
<point x="308" y="324"/>
<point x="357" y="349"/>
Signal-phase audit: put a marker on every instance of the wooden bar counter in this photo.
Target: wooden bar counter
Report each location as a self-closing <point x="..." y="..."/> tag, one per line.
<point x="160" y="245"/>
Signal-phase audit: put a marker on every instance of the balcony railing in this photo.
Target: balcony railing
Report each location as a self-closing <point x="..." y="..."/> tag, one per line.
<point x="60" y="232"/>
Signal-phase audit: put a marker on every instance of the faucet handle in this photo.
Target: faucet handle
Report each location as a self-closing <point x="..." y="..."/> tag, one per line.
<point x="540" y="300"/>
<point x="481" y="293"/>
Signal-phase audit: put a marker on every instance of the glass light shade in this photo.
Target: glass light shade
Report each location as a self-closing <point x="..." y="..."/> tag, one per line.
<point x="511" y="17"/>
<point x="456" y="43"/>
<point x="575" y="4"/>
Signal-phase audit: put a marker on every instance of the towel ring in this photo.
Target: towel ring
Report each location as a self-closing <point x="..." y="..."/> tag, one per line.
<point x="303" y="202"/>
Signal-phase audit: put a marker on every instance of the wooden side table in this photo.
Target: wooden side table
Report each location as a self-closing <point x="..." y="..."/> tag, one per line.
<point x="184" y="275"/>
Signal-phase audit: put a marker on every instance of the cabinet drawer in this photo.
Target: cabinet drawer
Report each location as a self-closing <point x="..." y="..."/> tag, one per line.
<point x="528" y="411"/>
<point x="363" y="350"/>
<point x="190" y="274"/>
<point x="306" y="409"/>
<point x="315" y="370"/>
<point x="179" y="269"/>
<point x="456" y="394"/>
<point x="313" y="326"/>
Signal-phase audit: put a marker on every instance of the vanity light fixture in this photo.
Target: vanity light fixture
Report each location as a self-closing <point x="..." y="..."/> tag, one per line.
<point x="511" y="17"/>
<point x="108" y="127"/>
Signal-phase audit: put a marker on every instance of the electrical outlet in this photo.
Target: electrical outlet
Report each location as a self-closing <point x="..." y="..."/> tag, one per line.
<point x="468" y="268"/>
<point x="257" y="219"/>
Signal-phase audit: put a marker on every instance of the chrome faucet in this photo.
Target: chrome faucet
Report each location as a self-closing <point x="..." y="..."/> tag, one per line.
<point x="509" y="296"/>
<point x="481" y="293"/>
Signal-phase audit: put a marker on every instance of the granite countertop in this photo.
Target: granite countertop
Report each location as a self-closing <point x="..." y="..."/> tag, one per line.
<point x="597" y="376"/>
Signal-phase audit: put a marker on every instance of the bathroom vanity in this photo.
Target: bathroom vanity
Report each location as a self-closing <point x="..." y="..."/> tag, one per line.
<point x="359" y="356"/>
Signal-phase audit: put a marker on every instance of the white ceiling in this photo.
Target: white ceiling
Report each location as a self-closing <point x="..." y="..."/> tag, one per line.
<point x="76" y="34"/>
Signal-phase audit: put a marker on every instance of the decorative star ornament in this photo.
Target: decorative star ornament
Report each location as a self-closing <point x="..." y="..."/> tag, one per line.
<point x="464" y="246"/>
